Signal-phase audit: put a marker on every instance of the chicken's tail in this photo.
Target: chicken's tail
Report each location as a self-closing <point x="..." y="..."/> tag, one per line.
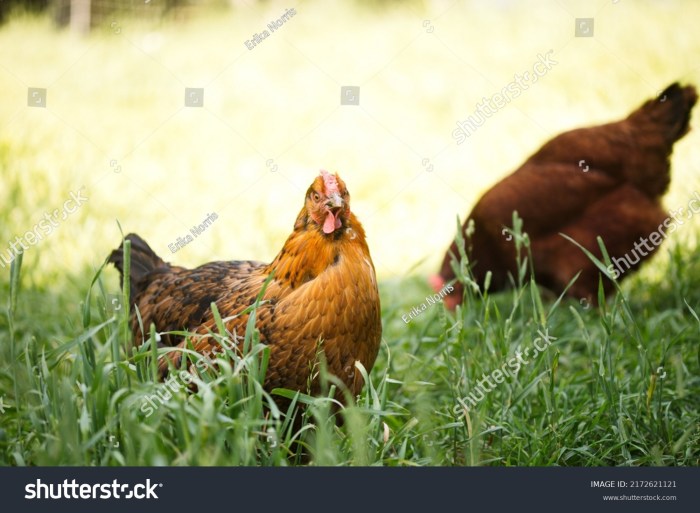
<point x="669" y="111"/>
<point x="143" y="261"/>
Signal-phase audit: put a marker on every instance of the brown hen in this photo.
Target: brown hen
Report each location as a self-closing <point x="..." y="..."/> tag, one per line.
<point x="322" y="295"/>
<point x="604" y="181"/>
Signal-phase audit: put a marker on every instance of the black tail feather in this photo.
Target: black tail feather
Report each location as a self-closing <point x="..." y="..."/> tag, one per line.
<point x="671" y="110"/>
<point x="143" y="261"/>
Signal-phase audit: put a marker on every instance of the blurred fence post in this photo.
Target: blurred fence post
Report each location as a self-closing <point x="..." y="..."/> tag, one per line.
<point x="80" y="16"/>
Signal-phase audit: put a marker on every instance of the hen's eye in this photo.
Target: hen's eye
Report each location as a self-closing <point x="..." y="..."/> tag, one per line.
<point x="316" y="196"/>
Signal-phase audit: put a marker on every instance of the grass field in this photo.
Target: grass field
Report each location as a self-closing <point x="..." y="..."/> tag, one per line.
<point x="618" y="385"/>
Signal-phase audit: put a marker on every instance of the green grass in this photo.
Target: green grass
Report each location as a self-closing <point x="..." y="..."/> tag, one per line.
<point x="620" y="384"/>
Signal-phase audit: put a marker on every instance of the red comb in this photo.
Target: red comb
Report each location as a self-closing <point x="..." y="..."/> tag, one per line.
<point x="330" y="182"/>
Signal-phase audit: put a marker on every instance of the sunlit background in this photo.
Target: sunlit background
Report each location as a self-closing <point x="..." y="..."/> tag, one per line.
<point x="263" y="121"/>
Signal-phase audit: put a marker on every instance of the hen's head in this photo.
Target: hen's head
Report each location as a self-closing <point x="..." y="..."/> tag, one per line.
<point x="327" y="204"/>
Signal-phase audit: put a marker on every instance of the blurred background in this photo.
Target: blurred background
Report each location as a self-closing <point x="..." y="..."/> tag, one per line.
<point x="168" y="111"/>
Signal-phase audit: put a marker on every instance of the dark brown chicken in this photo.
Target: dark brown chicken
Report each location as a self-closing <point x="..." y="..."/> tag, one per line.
<point x="323" y="294"/>
<point x="604" y="181"/>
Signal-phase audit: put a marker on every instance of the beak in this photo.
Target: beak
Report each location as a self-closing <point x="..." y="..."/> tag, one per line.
<point x="334" y="201"/>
